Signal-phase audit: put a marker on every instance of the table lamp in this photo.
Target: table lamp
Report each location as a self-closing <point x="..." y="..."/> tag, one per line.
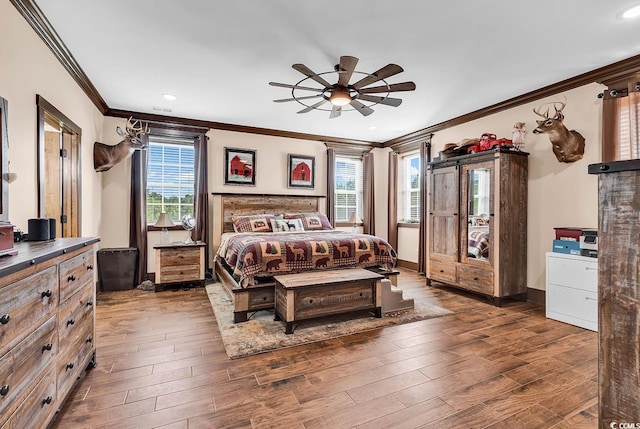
<point x="164" y="221"/>
<point x="354" y="219"/>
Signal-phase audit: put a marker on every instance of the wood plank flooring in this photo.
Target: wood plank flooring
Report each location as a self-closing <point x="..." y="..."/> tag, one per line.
<point x="162" y="364"/>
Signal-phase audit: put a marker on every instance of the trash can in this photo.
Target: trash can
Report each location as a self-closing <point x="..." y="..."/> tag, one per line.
<point x="117" y="268"/>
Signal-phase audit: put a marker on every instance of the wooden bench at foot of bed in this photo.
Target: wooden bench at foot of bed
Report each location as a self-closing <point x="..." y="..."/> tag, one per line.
<point x="316" y="294"/>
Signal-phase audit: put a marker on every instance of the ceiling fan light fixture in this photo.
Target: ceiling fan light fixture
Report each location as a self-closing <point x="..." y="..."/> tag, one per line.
<point x="340" y="97"/>
<point x="631" y="13"/>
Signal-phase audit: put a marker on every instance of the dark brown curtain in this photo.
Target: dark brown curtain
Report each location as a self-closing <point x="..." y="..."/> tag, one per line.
<point x="620" y="124"/>
<point x="392" y="230"/>
<point x="138" y="209"/>
<point x="331" y="179"/>
<point x="425" y="156"/>
<point x="368" y="197"/>
<point x="201" y="200"/>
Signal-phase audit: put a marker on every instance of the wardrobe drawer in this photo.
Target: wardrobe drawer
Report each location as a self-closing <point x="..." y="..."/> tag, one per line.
<point x="20" y="369"/>
<point x="75" y="273"/>
<point x="442" y="271"/>
<point x="39" y="406"/>
<point x="24" y="303"/>
<point x="476" y="279"/>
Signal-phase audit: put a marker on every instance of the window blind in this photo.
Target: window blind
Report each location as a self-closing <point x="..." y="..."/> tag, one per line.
<point x="411" y="188"/>
<point x="348" y="188"/>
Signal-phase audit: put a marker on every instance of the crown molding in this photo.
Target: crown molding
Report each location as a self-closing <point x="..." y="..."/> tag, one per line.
<point x="34" y="16"/>
<point x="236" y="128"/>
<point x="615" y="71"/>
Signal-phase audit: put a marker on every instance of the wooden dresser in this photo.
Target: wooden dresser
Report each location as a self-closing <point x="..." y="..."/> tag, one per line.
<point x="47" y="327"/>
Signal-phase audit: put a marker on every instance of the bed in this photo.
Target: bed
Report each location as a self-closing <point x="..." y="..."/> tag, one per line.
<point x="247" y="259"/>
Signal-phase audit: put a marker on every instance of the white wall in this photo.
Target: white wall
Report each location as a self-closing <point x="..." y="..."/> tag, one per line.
<point x="28" y="68"/>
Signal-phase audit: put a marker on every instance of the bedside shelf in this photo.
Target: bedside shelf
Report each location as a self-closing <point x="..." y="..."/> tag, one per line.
<point x="179" y="263"/>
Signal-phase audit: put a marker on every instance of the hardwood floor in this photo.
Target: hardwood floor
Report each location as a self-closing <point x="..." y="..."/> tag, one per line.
<point x="161" y="363"/>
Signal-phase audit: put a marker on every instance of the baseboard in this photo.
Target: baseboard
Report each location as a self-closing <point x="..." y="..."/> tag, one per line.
<point x="407" y="264"/>
<point x="536" y="296"/>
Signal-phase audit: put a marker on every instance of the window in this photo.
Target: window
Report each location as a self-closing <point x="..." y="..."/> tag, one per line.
<point x="348" y="188"/>
<point x="621" y="123"/>
<point x="411" y="188"/>
<point x="170" y="178"/>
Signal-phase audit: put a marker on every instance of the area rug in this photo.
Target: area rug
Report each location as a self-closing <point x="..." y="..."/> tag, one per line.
<point x="262" y="334"/>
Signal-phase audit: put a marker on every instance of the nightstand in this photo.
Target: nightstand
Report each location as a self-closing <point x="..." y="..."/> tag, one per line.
<point x="179" y="263"/>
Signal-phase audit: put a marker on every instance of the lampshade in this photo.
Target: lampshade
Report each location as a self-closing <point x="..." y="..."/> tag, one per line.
<point x="164" y="221"/>
<point x="340" y="97"/>
<point x="354" y="218"/>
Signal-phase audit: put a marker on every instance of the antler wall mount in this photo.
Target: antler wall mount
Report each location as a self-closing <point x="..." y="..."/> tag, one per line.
<point x="358" y="95"/>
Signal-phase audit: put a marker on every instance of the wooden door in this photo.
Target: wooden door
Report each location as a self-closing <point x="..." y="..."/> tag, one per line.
<point x="52" y="171"/>
<point x="443" y="214"/>
<point x="69" y="201"/>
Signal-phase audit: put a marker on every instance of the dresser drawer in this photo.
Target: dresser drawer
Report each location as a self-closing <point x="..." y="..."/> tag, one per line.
<point x="180" y="256"/>
<point x="74" y="314"/>
<point x="24" y="303"/>
<point x="39" y="406"/>
<point x="575" y="306"/>
<point x="577" y="273"/>
<point x="476" y="279"/>
<point x="182" y="273"/>
<point x="75" y="273"/>
<point x="20" y="368"/>
<point x="69" y="366"/>
<point x="445" y="272"/>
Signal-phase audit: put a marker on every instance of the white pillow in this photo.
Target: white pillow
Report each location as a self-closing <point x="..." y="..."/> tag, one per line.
<point x="281" y="225"/>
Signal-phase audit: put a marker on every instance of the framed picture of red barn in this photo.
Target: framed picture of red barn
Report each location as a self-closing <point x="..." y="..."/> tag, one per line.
<point x="302" y="170"/>
<point x="240" y="167"/>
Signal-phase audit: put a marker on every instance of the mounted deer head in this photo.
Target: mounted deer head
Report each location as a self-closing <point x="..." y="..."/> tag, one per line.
<point x="567" y="145"/>
<point x="106" y="156"/>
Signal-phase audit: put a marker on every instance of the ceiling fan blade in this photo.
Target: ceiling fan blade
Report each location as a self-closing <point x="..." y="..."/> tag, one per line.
<point x="335" y="112"/>
<point x="308" y="72"/>
<point x="395" y="102"/>
<point x="315" y="106"/>
<point x="365" y="110"/>
<point x="385" y="72"/>
<point x="394" y="87"/>
<point x="282" y="100"/>
<point x="286" y="85"/>
<point x="347" y="66"/>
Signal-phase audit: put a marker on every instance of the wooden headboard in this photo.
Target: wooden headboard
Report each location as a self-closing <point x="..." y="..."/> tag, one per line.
<point x="247" y="204"/>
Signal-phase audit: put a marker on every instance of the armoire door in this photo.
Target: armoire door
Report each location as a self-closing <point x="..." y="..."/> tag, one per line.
<point x="443" y="214"/>
<point x="477" y="217"/>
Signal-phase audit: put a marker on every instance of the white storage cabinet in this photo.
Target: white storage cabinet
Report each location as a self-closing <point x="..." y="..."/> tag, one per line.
<point x="572" y="289"/>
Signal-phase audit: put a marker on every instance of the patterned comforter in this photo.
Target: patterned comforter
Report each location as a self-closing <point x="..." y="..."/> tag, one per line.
<point x="255" y="254"/>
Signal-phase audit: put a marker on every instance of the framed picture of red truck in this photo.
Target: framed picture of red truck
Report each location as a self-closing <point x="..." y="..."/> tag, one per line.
<point x="240" y="167"/>
<point x="301" y="171"/>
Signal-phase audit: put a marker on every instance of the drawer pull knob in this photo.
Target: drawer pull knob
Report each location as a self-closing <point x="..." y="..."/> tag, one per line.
<point x="310" y="301"/>
<point x="47" y="347"/>
<point x="71" y="278"/>
<point x="89" y="340"/>
<point x="69" y="366"/>
<point x="89" y="267"/>
<point x="476" y="279"/>
<point x="89" y="303"/>
<point x="70" y="322"/>
<point x="47" y="401"/>
<point x="4" y="319"/>
<point x="4" y="390"/>
<point x="46" y="293"/>
<point x="442" y="271"/>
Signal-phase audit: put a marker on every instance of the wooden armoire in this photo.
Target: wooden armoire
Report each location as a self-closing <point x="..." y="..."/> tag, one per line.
<point x="477" y="223"/>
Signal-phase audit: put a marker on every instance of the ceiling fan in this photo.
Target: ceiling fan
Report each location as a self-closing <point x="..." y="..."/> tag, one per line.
<point x="342" y="93"/>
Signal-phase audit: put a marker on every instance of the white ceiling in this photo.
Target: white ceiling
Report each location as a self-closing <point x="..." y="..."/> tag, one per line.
<point x="218" y="57"/>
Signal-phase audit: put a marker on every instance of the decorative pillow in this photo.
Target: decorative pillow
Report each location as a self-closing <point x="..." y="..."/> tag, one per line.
<point x="252" y="223"/>
<point x="280" y="225"/>
<point x="311" y="221"/>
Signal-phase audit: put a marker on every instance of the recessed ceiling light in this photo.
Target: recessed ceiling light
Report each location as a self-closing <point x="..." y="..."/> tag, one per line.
<point x="169" y="97"/>
<point x="372" y="127"/>
<point x="630" y="13"/>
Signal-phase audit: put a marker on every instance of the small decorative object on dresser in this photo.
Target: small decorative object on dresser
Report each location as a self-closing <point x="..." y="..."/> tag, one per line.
<point x="179" y="263"/>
